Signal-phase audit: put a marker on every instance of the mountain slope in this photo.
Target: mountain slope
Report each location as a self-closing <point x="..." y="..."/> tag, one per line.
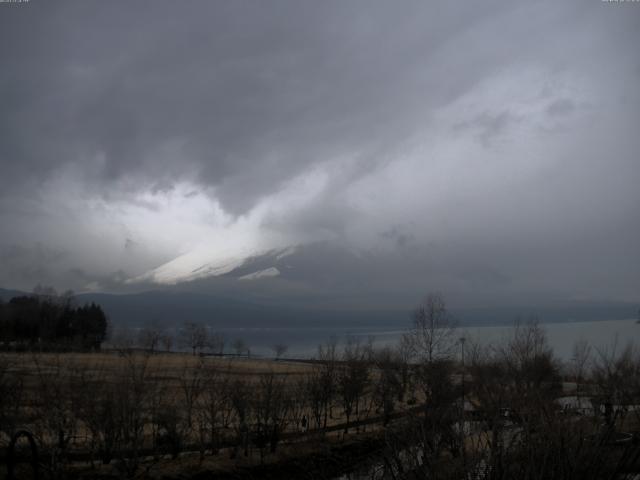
<point x="200" y="264"/>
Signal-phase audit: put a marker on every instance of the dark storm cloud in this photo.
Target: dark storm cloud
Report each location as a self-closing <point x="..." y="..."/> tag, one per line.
<point x="490" y="143"/>
<point x="239" y="96"/>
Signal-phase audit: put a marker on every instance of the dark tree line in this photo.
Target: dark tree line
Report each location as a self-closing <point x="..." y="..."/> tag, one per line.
<point x="51" y="321"/>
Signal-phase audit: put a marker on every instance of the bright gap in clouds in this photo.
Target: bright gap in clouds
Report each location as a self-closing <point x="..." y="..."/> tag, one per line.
<point x="177" y="227"/>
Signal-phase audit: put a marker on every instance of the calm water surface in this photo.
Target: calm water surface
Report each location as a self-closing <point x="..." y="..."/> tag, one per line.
<point x="303" y="342"/>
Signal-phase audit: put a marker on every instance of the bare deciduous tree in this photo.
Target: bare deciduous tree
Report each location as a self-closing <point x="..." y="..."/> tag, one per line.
<point x="579" y="363"/>
<point x="149" y="338"/>
<point x="240" y="347"/>
<point x="433" y="334"/>
<point x="216" y="343"/>
<point x="11" y="396"/>
<point x="194" y="336"/>
<point x="192" y="385"/>
<point x="133" y="393"/>
<point x="240" y="400"/>
<point x="166" y="340"/>
<point x="215" y="406"/>
<point x="352" y="378"/>
<point x="298" y="404"/>
<point x="270" y="410"/>
<point x="55" y="407"/>
<point x="616" y="373"/>
<point x="388" y="384"/>
<point x="279" y="349"/>
<point x="326" y="376"/>
<point x="403" y="355"/>
<point x="123" y="338"/>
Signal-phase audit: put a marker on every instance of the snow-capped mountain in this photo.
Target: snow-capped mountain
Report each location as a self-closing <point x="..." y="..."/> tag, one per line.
<point x="199" y="264"/>
<point x="267" y="272"/>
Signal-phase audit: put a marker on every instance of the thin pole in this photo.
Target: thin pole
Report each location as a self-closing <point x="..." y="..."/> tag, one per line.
<point x="462" y="432"/>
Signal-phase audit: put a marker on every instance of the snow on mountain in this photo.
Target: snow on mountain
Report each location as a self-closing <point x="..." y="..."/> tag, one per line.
<point x="267" y="272"/>
<point x="285" y="252"/>
<point x="200" y="264"/>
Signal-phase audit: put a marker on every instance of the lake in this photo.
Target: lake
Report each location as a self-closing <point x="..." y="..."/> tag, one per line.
<point x="303" y="342"/>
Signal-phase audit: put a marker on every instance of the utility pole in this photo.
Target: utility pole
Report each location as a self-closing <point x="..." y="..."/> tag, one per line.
<point x="463" y="423"/>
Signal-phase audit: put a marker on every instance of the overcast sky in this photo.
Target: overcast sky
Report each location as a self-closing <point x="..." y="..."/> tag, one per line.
<point x="500" y="140"/>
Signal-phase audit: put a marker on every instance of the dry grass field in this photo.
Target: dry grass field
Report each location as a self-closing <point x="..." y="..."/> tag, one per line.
<point x="176" y="409"/>
<point x="160" y="366"/>
<point x="133" y="414"/>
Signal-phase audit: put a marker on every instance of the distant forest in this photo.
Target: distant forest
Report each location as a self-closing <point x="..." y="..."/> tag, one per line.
<point x="51" y="322"/>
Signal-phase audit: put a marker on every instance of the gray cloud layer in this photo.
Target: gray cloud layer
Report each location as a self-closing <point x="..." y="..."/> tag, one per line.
<point x="497" y="139"/>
